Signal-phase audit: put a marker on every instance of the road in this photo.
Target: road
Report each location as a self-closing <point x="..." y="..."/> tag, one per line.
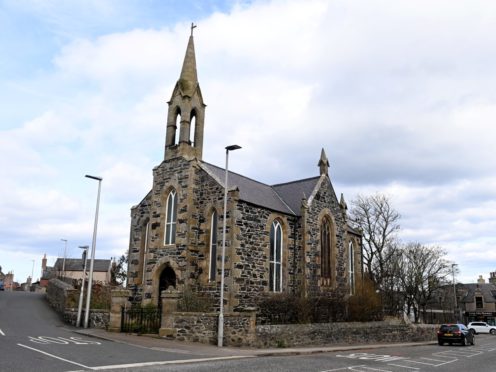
<point x="33" y="338"/>
<point x="427" y="358"/>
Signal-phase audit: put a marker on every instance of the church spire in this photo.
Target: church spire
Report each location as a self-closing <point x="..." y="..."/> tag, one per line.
<point x="188" y="80"/>
<point x="185" y="118"/>
<point x="323" y="163"/>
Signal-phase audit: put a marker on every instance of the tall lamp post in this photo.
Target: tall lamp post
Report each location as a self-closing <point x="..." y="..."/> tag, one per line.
<point x="454" y="290"/>
<point x="32" y="272"/>
<point x="93" y="245"/>
<point x="65" y="254"/>
<point x="81" y="293"/>
<point x="220" y="331"/>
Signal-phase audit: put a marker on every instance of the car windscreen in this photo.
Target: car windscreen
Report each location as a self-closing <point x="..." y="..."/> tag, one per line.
<point x="449" y="328"/>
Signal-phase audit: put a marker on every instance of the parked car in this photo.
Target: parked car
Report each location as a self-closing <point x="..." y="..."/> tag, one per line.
<point x="482" y="327"/>
<point x="455" y="333"/>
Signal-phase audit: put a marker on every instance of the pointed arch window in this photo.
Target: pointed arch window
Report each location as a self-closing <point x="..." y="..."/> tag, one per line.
<point x="325" y="246"/>
<point x="170" y="218"/>
<point x="213" y="247"/>
<point x="192" y="128"/>
<point x="178" y="126"/>
<point x="275" y="280"/>
<point x="351" y="268"/>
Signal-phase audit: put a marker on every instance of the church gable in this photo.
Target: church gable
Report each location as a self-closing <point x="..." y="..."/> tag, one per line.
<point x="325" y="233"/>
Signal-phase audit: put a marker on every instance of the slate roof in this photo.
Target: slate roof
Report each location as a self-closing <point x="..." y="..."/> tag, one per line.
<point x="285" y="198"/>
<point x="76" y="264"/>
<point x="488" y="292"/>
<point x="293" y="192"/>
<point x="352" y="230"/>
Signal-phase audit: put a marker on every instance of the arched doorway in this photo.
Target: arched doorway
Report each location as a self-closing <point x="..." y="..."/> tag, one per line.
<point x="167" y="279"/>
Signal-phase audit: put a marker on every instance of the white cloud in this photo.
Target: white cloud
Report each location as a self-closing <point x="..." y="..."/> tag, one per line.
<point x="400" y="95"/>
<point x="118" y="58"/>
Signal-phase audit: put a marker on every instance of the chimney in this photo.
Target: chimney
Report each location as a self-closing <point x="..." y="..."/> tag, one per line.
<point x="43" y="265"/>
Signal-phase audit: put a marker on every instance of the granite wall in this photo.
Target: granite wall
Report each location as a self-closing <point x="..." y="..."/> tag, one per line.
<point x="64" y="299"/>
<point x="342" y="334"/>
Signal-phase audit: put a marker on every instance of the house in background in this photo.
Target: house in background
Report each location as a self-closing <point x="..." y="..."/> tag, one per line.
<point x="74" y="269"/>
<point x="473" y="302"/>
<point x="478" y="301"/>
<point x="7" y="280"/>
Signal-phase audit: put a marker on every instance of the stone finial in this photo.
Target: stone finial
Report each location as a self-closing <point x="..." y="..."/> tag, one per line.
<point x="342" y="202"/>
<point x="323" y="163"/>
<point x="304" y="201"/>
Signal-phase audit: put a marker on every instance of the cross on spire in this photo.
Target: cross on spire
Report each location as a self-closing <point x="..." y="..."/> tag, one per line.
<point x="193" y="26"/>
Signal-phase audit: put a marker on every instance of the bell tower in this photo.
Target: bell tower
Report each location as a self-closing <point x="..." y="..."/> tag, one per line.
<point x="186" y="114"/>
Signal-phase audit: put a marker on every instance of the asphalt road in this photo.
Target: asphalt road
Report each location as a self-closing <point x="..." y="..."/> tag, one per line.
<point x="478" y="358"/>
<point x="33" y="338"/>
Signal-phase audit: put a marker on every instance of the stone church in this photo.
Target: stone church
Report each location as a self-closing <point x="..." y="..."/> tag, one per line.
<point x="291" y="237"/>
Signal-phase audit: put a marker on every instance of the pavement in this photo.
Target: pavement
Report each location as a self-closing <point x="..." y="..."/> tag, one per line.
<point x="203" y="350"/>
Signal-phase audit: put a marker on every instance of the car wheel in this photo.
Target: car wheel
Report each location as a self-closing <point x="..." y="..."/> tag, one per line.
<point x="493" y="331"/>
<point x="473" y="341"/>
<point x="473" y="331"/>
<point x="441" y="343"/>
<point x="464" y="341"/>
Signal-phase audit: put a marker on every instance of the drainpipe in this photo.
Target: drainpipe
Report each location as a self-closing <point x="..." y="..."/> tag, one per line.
<point x="294" y="253"/>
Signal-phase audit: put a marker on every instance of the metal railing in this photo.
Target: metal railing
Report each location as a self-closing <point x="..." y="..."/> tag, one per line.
<point x="140" y="320"/>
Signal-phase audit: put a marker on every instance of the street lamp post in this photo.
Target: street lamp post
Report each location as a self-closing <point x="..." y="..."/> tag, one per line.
<point x="454" y="289"/>
<point x="81" y="293"/>
<point x="65" y="254"/>
<point x="32" y="271"/>
<point x="220" y="331"/>
<point x="93" y="245"/>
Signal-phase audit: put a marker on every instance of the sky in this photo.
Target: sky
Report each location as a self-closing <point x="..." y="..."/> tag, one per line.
<point x="400" y="94"/>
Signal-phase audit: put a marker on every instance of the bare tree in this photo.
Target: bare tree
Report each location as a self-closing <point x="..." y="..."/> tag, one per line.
<point x="423" y="271"/>
<point x="392" y="289"/>
<point x="379" y="222"/>
<point x="118" y="270"/>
